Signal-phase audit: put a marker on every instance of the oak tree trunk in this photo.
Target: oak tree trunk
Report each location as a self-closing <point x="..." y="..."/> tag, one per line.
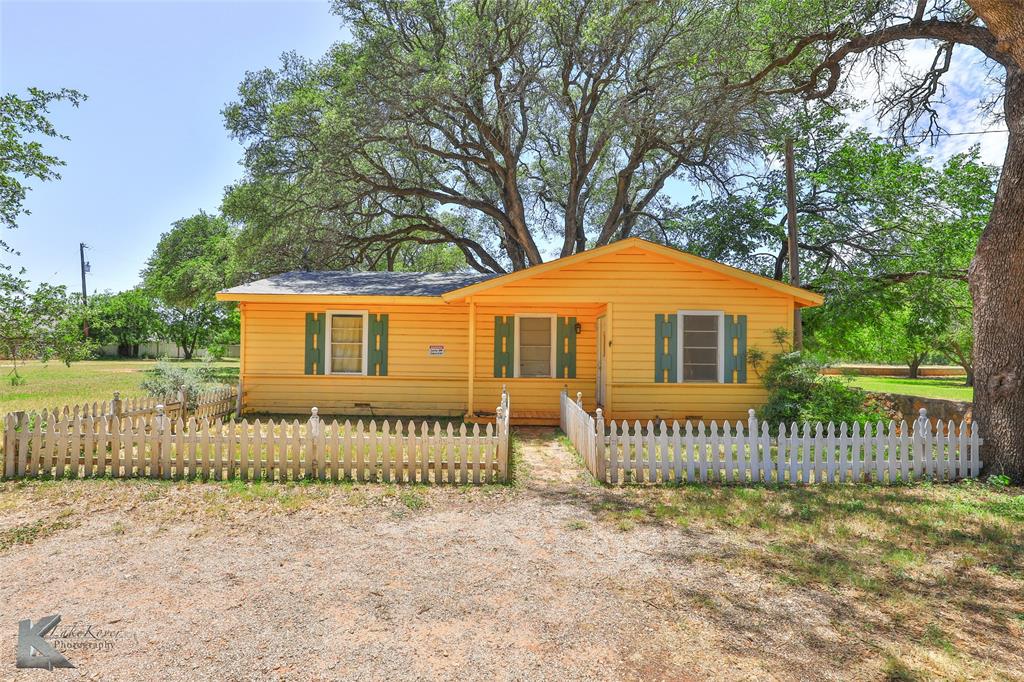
<point x="997" y="287"/>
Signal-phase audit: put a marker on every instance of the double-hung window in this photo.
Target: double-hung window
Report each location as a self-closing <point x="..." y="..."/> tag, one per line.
<point x="535" y="346"/>
<point x="702" y="344"/>
<point x="348" y="343"/>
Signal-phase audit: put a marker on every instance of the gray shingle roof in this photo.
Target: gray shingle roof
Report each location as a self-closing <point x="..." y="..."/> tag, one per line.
<point x="346" y="283"/>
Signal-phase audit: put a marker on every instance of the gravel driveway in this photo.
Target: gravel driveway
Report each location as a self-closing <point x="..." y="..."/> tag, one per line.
<point x="199" y="581"/>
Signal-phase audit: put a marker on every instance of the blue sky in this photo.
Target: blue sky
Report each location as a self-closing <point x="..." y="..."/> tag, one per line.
<point x="149" y="145"/>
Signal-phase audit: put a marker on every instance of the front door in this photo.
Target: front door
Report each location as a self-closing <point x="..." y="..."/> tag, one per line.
<point x="602" y="350"/>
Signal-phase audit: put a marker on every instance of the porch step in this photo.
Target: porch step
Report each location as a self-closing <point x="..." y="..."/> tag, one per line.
<point x="520" y="418"/>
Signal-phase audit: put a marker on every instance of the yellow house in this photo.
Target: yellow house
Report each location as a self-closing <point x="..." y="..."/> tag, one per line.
<point x="640" y="329"/>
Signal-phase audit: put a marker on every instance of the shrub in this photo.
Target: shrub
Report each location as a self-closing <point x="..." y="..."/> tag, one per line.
<point x="798" y="392"/>
<point x="217" y="350"/>
<point x="167" y="379"/>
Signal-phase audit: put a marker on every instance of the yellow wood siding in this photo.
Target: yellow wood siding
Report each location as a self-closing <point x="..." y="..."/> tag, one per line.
<point x="417" y="383"/>
<point x="640" y="285"/>
<point x="631" y="286"/>
<point x="531" y="394"/>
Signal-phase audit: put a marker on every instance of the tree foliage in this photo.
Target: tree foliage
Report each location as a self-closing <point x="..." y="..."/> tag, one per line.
<point x="885" y="233"/>
<point x="22" y="157"/>
<point x="128" y="318"/>
<point x="39" y="324"/>
<point x="488" y="126"/>
<point x="191" y="262"/>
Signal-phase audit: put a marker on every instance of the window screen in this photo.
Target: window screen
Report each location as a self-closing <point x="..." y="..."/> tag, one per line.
<point x="535" y="346"/>
<point x="346" y="344"/>
<point x="700" y="348"/>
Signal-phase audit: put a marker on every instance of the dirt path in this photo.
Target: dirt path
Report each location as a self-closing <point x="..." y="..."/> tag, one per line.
<point x="548" y="462"/>
<point x="197" y="581"/>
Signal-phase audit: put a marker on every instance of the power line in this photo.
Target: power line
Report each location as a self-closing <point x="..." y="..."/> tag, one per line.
<point x="969" y="132"/>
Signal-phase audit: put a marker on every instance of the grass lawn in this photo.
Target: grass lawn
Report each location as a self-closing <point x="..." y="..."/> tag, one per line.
<point x="926" y="579"/>
<point x="55" y="384"/>
<point x="940" y="387"/>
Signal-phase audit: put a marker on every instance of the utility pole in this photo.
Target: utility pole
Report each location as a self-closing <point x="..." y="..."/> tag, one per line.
<point x="85" y="268"/>
<point x="794" y="257"/>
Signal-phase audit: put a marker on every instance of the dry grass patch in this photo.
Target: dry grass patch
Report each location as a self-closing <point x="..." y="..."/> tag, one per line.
<point x="930" y="578"/>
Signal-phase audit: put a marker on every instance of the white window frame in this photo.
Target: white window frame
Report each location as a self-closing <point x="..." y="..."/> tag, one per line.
<point x="554" y="342"/>
<point x="328" y="349"/>
<point x="720" y="314"/>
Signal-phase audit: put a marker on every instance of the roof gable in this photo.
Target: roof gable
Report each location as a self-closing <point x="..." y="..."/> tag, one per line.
<point x="802" y="297"/>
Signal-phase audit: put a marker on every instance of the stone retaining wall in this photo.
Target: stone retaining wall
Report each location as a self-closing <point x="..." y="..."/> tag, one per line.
<point x="908" y="407"/>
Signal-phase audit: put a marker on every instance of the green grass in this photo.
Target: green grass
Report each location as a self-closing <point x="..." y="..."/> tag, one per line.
<point x="951" y="388"/>
<point x="873" y="539"/>
<point x="27" y="533"/>
<point x="55" y="384"/>
<point x="939" y="564"/>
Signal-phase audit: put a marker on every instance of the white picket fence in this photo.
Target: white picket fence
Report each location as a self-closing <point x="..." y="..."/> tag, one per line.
<point x="160" y="447"/>
<point x="676" y="453"/>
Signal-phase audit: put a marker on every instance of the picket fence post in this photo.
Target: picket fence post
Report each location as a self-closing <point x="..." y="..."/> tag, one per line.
<point x="158" y="444"/>
<point x="312" y="434"/>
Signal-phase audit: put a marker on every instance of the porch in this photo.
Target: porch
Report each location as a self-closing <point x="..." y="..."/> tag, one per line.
<point x="536" y="350"/>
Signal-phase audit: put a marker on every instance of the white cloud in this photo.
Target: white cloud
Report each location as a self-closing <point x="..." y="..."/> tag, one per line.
<point x="967" y="86"/>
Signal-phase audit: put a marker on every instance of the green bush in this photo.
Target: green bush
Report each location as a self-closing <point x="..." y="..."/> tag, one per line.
<point x="167" y="379"/>
<point x="798" y="392"/>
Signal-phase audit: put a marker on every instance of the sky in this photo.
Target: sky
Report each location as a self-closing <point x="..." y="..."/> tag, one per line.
<point x="149" y="146"/>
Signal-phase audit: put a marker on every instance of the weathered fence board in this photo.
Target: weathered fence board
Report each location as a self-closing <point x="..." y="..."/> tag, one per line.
<point x="157" y="446"/>
<point x="738" y="453"/>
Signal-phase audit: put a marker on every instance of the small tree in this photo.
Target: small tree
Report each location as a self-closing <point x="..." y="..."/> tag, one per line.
<point x="128" y="318"/>
<point x="190" y="264"/>
<point x="38" y="324"/>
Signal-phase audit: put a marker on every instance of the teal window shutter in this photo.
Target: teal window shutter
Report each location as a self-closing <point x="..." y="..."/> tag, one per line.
<point x="735" y="348"/>
<point x="504" y="345"/>
<point x="316" y="339"/>
<point x="565" y="357"/>
<point x="666" y="349"/>
<point x="377" y="338"/>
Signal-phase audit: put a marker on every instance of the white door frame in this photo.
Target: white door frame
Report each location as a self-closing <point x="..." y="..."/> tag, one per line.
<point x="602" y="358"/>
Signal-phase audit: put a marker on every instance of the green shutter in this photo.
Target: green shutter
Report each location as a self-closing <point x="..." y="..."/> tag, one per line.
<point x="565" y="357"/>
<point x="666" y="349"/>
<point x="316" y="338"/>
<point x="736" y="348"/>
<point x="377" y="338"/>
<point x="504" y="346"/>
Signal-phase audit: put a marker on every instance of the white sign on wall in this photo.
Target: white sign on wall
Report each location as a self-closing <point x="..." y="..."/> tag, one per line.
<point x="436" y="350"/>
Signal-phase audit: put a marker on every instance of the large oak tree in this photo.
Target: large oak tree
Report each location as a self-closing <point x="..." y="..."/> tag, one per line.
<point x="492" y="126"/>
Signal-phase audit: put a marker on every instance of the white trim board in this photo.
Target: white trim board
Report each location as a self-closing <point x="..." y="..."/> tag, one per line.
<point x="720" y="314"/>
<point x="328" y="359"/>
<point x="517" y="337"/>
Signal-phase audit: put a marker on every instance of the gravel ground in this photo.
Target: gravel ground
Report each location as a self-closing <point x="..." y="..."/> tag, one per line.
<point x="208" y="581"/>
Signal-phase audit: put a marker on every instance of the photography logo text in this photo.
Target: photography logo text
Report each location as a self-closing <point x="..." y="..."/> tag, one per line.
<point x="33" y="650"/>
<point x="36" y="651"/>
